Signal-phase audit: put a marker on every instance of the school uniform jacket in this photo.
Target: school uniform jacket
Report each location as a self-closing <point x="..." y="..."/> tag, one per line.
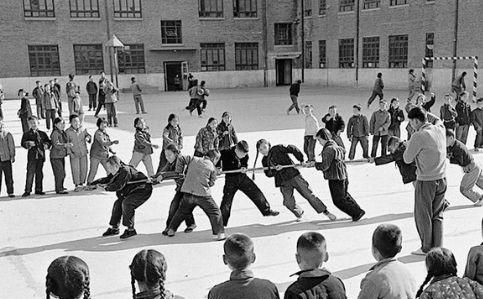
<point x="380" y="119"/>
<point x="172" y="135"/>
<point x="142" y="142"/>
<point x="279" y="155"/>
<point x="477" y="118"/>
<point x="459" y="154"/>
<point x="463" y="111"/>
<point x="335" y="124"/>
<point x="49" y="101"/>
<point x="7" y="146"/>
<point x="226" y="141"/>
<point x="357" y="126"/>
<point x="378" y="85"/>
<point x="230" y="161"/>
<point x="316" y="284"/>
<point x="206" y="140"/>
<point x="448" y="113"/>
<point x="58" y="150"/>
<point x="397" y="117"/>
<point x="118" y="182"/>
<point x="294" y="89"/>
<point x="408" y="171"/>
<point x="37" y="93"/>
<point x="42" y="141"/>
<point x="78" y="139"/>
<point x="91" y="87"/>
<point x="332" y="163"/>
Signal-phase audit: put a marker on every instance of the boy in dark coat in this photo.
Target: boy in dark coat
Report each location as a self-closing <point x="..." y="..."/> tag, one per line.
<point x="379" y="128"/>
<point x="294" y="94"/>
<point x="7" y="158"/>
<point x="397" y="117"/>
<point x="358" y="131"/>
<point x="448" y="113"/>
<point x="314" y="282"/>
<point x="377" y="90"/>
<point x="463" y="118"/>
<point x="38" y="94"/>
<point x="25" y="111"/>
<point x="36" y="142"/>
<point x="335" y="124"/>
<point x="92" y="89"/>
<point x="477" y="121"/>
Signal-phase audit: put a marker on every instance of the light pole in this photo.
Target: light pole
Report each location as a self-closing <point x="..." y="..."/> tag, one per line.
<point x="302" y="35"/>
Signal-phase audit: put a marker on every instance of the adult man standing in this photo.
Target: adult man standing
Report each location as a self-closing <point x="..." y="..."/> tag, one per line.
<point x="377" y="90"/>
<point x="463" y="118"/>
<point x="294" y="94"/>
<point x="137" y="94"/>
<point x="91" y="88"/>
<point x="71" y="88"/>
<point x="101" y="100"/>
<point x="38" y="94"/>
<point x="427" y="147"/>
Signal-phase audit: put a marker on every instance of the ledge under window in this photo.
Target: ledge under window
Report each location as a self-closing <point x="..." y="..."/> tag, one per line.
<point x="85" y="19"/>
<point x="128" y="19"/>
<point x="40" y="18"/>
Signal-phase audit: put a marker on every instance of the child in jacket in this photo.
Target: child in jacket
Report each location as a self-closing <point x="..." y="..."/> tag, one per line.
<point x="358" y="131"/>
<point x="311" y="128"/>
<point x="379" y="126"/>
<point x="79" y="137"/>
<point x="143" y="148"/>
<point x="474" y="265"/>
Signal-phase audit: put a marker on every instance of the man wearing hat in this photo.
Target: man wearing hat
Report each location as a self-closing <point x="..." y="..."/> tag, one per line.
<point x="236" y="158"/>
<point x="294" y="94"/>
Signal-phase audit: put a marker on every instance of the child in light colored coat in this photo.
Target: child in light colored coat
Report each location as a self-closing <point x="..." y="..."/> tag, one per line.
<point x="143" y="148"/>
<point x="79" y="137"/>
<point x="311" y="128"/>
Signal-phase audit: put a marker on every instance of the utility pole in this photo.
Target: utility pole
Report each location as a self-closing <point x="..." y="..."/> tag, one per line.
<point x="265" y="43"/>
<point x="455" y="41"/>
<point x="302" y="35"/>
<point x="358" y="10"/>
<point x="108" y="29"/>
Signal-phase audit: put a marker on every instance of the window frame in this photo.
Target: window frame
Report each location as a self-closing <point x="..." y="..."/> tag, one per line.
<point x="371" y="4"/>
<point x="251" y="12"/>
<point x="371" y="52"/>
<point x="45" y="12"/>
<point x="177" y="25"/>
<point x="82" y="70"/>
<point x="308" y="54"/>
<point x="322" y="58"/>
<point x="307" y="8"/>
<point x="88" y="13"/>
<point x="133" y="66"/>
<point x="220" y="53"/>
<point x="37" y="60"/>
<point x="393" y="3"/>
<point x="346" y="5"/>
<point x="428" y="51"/>
<point x="322" y="7"/>
<point x="121" y="12"/>
<point x="346" y="61"/>
<point x="396" y="54"/>
<point x="243" y="49"/>
<point x="288" y="41"/>
<point x="218" y="13"/>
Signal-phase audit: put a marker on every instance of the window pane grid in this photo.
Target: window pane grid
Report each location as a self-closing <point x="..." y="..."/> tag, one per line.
<point x="246" y="56"/>
<point x="84" y="8"/>
<point x="398" y="51"/>
<point x="212" y="57"/>
<point x="44" y="60"/>
<point x="307" y="8"/>
<point x="322" y="7"/>
<point x="88" y="59"/>
<point x="131" y="60"/>
<point x="397" y="2"/>
<point x="283" y="33"/>
<point x="171" y="32"/>
<point x="38" y="8"/>
<point x="211" y="8"/>
<point x="371" y="4"/>
<point x="346" y="5"/>
<point x="429" y="49"/>
<point x="308" y="54"/>
<point x="127" y="9"/>
<point x="370" y="52"/>
<point x="346" y="53"/>
<point x="322" y="54"/>
<point x="245" y="8"/>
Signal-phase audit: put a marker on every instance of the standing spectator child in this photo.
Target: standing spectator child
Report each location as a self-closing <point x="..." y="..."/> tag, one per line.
<point x="413" y="84"/>
<point x="100" y="149"/>
<point x="56" y="92"/>
<point x="459" y="85"/>
<point x="443" y="279"/>
<point x="477" y="121"/>
<point x="463" y="117"/>
<point x="36" y="142"/>
<point x="68" y="277"/>
<point x="58" y="152"/>
<point x="171" y="134"/>
<point x="226" y="133"/>
<point x="50" y="105"/>
<point x="474" y="264"/>
<point x="59" y="97"/>
<point x="111" y="99"/>
<point x="311" y="128"/>
<point x="358" y="131"/>
<point x="379" y="126"/>
<point x="7" y="158"/>
<point x="294" y="94"/>
<point x="206" y="139"/>
<point x="79" y="137"/>
<point x="137" y="94"/>
<point x="314" y="280"/>
<point x="448" y="113"/>
<point x="376" y="90"/>
<point x="335" y="124"/>
<point x="389" y="278"/>
<point x="101" y="99"/>
<point x="205" y="92"/>
<point x="239" y="255"/>
<point x="397" y="117"/>
<point x="71" y="89"/>
<point x="38" y="94"/>
<point x="77" y="107"/>
<point x="92" y="89"/>
<point x="143" y="148"/>
<point x="25" y="111"/>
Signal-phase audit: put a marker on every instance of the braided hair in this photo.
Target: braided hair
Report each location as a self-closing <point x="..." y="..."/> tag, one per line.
<point x="259" y="143"/>
<point x="68" y="278"/>
<point x="149" y="266"/>
<point x="439" y="261"/>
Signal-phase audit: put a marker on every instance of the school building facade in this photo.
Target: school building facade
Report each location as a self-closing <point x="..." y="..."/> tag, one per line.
<point x="235" y="43"/>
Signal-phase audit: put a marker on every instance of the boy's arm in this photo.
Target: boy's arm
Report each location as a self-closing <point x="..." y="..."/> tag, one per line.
<point x="365" y="125"/>
<point x="198" y="144"/>
<point x="11" y="146"/>
<point x="387" y="123"/>
<point x="349" y="128"/>
<point x="412" y="150"/>
<point x="268" y="172"/>
<point x="453" y="112"/>
<point x="292" y="149"/>
<point x="180" y="139"/>
<point x="166" y="136"/>
<point x="105" y="180"/>
<point x="341" y="124"/>
<point x="100" y="138"/>
<point x="45" y="139"/>
<point x="470" y="270"/>
<point x="384" y="160"/>
<point x="372" y="124"/>
<point x="141" y="138"/>
<point x="212" y="180"/>
<point x="24" y="140"/>
<point x="324" y="119"/>
<point x="441" y="112"/>
<point x="233" y="136"/>
<point x="401" y="116"/>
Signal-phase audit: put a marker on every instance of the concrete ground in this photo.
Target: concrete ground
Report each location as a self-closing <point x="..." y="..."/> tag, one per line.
<point x="36" y="230"/>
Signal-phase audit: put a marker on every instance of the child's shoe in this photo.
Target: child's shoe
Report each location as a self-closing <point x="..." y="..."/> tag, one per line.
<point x="479" y="203"/>
<point x="171" y="233"/>
<point x="111" y="231"/>
<point x="219" y="237"/>
<point x="130" y="232"/>
<point x="418" y="252"/>
<point x="330" y="216"/>
<point x="190" y="228"/>
<point x="357" y="218"/>
<point x="299" y="217"/>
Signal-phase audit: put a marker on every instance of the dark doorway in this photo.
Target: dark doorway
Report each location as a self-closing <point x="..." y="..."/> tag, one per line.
<point x="283" y="69"/>
<point x="173" y="76"/>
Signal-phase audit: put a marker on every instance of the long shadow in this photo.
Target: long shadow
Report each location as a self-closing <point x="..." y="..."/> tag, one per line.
<point x="101" y="244"/>
<point x="51" y="194"/>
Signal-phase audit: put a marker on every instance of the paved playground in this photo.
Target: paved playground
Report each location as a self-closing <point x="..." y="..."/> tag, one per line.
<point x="36" y="230"/>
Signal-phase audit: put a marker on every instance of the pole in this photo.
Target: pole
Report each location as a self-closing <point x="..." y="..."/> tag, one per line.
<point x="108" y="29"/>
<point x="357" y="40"/>
<point x="455" y="41"/>
<point x="265" y="43"/>
<point x="116" y="66"/>
<point x="302" y="35"/>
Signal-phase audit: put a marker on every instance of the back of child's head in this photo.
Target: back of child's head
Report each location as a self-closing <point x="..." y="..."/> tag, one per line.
<point x="68" y="278"/>
<point x="387" y="240"/>
<point x="114" y="160"/>
<point x="242" y="146"/>
<point x="324" y="134"/>
<point x="172" y="147"/>
<point x="149" y="267"/>
<point x="439" y="261"/>
<point x="239" y="251"/>
<point x="393" y="141"/>
<point x="312" y="249"/>
<point x="57" y="120"/>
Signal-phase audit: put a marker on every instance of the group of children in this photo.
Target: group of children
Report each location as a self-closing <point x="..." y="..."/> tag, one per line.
<point x="68" y="277"/>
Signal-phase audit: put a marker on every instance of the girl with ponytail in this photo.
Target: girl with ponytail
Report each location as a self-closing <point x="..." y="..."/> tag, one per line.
<point x="443" y="280"/>
<point x="68" y="278"/>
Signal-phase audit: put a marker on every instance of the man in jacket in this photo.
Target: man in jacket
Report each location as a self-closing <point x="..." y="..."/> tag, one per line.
<point x="38" y="94"/>
<point x="91" y="89"/>
<point x="377" y="90"/>
<point x="358" y="131"/>
<point x="397" y="117"/>
<point x="71" y="89"/>
<point x="7" y="157"/>
<point x="463" y="118"/>
<point x="294" y="93"/>
<point x="379" y="126"/>
<point x="50" y="106"/>
<point x="335" y="124"/>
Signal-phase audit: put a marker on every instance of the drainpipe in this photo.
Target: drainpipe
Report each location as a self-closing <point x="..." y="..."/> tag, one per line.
<point x="302" y="35"/>
<point x="455" y="41"/>
<point x="265" y="43"/>
<point x="108" y="31"/>
<point x="357" y="40"/>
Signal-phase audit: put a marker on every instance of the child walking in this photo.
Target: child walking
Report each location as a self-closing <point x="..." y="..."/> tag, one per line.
<point x="7" y="158"/>
<point x="58" y="152"/>
<point x="111" y="93"/>
<point x="172" y="133"/>
<point x="477" y="121"/>
<point x="379" y="126"/>
<point x="311" y="128"/>
<point x="358" y="131"/>
<point x="474" y="264"/>
<point x="143" y="148"/>
<point x="79" y="137"/>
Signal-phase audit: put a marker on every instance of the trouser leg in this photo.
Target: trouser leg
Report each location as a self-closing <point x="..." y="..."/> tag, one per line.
<point x="229" y="191"/>
<point x="251" y="190"/>
<point x="75" y="169"/>
<point x="59" y="173"/>
<point x="148" y="164"/>
<point x="352" y="151"/>
<point x="384" y="145"/>
<point x="31" y="168"/>
<point x="438" y="209"/>
<point x="137" y="157"/>
<point x="365" y="147"/>
<point x="83" y="165"/>
<point x="371" y="98"/>
<point x="185" y="209"/>
<point x="342" y="199"/>
<point x="302" y="186"/>
<point x="114" y="113"/>
<point x="162" y="161"/>
<point x="39" y="175"/>
<point x="208" y="205"/>
<point x="375" y="144"/>
<point x="289" y="199"/>
<point x="337" y="140"/>
<point x="141" y="103"/>
<point x="116" y="213"/>
<point x="468" y="183"/>
<point x="7" y="171"/>
<point x="131" y="203"/>
<point x="173" y="208"/>
<point x="136" y="104"/>
<point x="93" y="166"/>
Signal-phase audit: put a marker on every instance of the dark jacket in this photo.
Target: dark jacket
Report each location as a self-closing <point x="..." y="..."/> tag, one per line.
<point x="102" y="94"/>
<point x="427" y="106"/>
<point x="58" y="139"/>
<point x="226" y="141"/>
<point x="316" y="284"/>
<point x="332" y="163"/>
<point x="91" y="87"/>
<point x="25" y="108"/>
<point x="459" y="154"/>
<point x="335" y="124"/>
<point x="295" y="89"/>
<point x="118" y="182"/>
<point x="378" y="85"/>
<point x="42" y="141"/>
<point x="463" y="111"/>
<point x="358" y="126"/>
<point x="243" y="285"/>
<point x="397" y="117"/>
<point x="477" y="118"/>
<point x="179" y="166"/>
<point x="142" y="142"/>
<point x="448" y="113"/>
<point x="408" y="171"/>
<point x="279" y="155"/>
<point x="230" y="161"/>
<point x="38" y="93"/>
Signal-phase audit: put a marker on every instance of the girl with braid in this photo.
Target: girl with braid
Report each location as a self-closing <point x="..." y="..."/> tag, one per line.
<point x="443" y="280"/>
<point x="68" y="278"/>
<point x="148" y="269"/>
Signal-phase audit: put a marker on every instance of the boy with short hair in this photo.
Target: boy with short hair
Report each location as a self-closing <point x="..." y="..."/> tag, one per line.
<point x="7" y="157"/>
<point x="448" y="113"/>
<point x="397" y="117"/>
<point x="137" y="94"/>
<point x="379" y="126"/>
<point x="311" y="128"/>
<point x="335" y="124"/>
<point x="79" y="137"/>
<point x="38" y="94"/>
<point x="389" y="278"/>
<point x="477" y="121"/>
<point x="358" y="131"/>
<point x="239" y="255"/>
<point x="314" y="281"/>
<point x="463" y="118"/>
<point x="458" y="154"/>
<point x="474" y="265"/>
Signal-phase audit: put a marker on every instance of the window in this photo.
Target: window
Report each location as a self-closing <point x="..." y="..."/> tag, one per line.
<point x="212" y="57"/>
<point x="171" y="32"/>
<point x="84" y="8"/>
<point x="211" y="8"/>
<point x="371" y="4"/>
<point x="428" y="52"/>
<point x="283" y="33"/>
<point x="88" y="59"/>
<point x="322" y="54"/>
<point x="131" y="59"/>
<point x="127" y="9"/>
<point x="245" y="8"/>
<point x="308" y="54"/>
<point x="346" y="5"/>
<point x="398" y="51"/>
<point x="397" y="2"/>
<point x="370" y="52"/>
<point x="38" y="8"/>
<point x="246" y="56"/>
<point x="346" y="53"/>
<point x="322" y="7"/>
<point x="307" y="8"/>
<point x="44" y="60"/>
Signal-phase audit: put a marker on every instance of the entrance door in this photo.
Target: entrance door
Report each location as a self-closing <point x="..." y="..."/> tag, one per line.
<point x="283" y="69"/>
<point x="173" y="76"/>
